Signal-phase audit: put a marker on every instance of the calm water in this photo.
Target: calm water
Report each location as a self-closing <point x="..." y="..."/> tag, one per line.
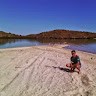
<point x="79" y="44"/>
<point x="11" y="43"/>
<point x="91" y="48"/>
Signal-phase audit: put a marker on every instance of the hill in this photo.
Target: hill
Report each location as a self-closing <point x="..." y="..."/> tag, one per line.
<point x="8" y="35"/>
<point x="54" y="34"/>
<point x="63" y="34"/>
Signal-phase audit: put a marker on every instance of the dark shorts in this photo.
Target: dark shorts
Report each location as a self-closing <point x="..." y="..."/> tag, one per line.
<point x="74" y="64"/>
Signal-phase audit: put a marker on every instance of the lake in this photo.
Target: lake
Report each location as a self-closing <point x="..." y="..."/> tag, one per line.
<point x="86" y="45"/>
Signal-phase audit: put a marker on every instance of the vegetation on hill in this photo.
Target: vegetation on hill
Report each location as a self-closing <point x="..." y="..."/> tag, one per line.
<point x="63" y="34"/>
<point x="54" y="34"/>
<point x="8" y="35"/>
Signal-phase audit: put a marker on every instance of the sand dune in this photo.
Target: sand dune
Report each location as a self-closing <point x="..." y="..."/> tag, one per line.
<point x="41" y="71"/>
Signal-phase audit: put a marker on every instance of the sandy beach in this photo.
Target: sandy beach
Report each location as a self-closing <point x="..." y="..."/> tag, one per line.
<point x="41" y="71"/>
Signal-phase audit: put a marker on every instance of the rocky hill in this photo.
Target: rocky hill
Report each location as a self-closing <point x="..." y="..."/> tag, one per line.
<point x="54" y="34"/>
<point x="63" y="34"/>
<point x="8" y="35"/>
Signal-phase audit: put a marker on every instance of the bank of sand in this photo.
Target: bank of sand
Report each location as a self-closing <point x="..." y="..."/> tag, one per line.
<point x="41" y="71"/>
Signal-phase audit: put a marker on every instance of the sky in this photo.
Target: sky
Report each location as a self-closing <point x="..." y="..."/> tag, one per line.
<point x="34" y="16"/>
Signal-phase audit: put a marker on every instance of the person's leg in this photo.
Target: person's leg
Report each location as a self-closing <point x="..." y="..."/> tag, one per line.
<point x="68" y="65"/>
<point x="78" y="67"/>
<point x="72" y="67"/>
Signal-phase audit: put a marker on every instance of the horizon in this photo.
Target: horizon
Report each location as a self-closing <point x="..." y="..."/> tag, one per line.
<point x="32" y="17"/>
<point x="48" y="31"/>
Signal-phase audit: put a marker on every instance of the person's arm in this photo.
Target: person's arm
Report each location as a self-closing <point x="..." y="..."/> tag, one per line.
<point x="78" y="61"/>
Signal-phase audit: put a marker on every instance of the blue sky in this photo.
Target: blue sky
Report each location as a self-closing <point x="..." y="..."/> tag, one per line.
<point x="35" y="16"/>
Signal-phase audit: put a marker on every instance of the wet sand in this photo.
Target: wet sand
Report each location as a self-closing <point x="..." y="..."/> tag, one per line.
<point x="41" y="71"/>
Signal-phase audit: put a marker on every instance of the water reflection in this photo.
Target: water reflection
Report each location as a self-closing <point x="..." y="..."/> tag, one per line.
<point x="10" y="43"/>
<point x="69" y="41"/>
<point x="47" y="41"/>
<point x="4" y="41"/>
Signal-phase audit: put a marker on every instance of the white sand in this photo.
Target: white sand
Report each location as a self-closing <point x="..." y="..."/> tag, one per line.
<point x="38" y="71"/>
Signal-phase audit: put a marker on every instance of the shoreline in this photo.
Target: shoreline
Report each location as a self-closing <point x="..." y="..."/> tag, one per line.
<point x="63" y="45"/>
<point x="41" y="71"/>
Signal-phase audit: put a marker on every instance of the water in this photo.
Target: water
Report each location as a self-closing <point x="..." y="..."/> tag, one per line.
<point x="91" y="48"/>
<point x="76" y="44"/>
<point x="11" y="43"/>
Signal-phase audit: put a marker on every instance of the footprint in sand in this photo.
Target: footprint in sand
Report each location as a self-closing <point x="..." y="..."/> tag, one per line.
<point x="85" y="80"/>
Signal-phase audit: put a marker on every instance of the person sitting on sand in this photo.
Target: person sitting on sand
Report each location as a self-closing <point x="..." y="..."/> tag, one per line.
<point x="75" y="62"/>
